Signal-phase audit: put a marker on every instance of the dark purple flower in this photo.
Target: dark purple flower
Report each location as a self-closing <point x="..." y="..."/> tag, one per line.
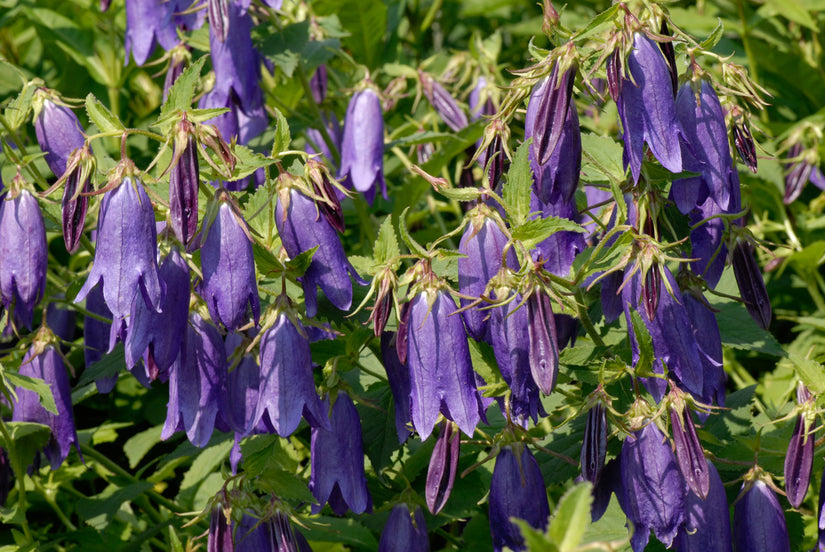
<point x="183" y="194"/>
<point x="647" y="109"/>
<point x="48" y="366"/>
<point x="23" y="255"/>
<point x="689" y="453"/>
<point x="443" y="467"/>
<point x="148" y="23"/>
<point x="483" y="246"/>
<point x="161" y="334"/>
<point x="758" y="520"/>
<point x="236" y="63"/>
<point x="654" y="491"/>
<point x="559" y="250"/>
<point x="706" y="239"/>
<point x="229" y="285"/>
<point x="743" y="139"/>
<point x="301" y="228"/>
<point x="441" y="374"/>
<point x="318" y="84"/>
<point x="443" y="102"/>
<point x="398" y="376"/>
<point x="197" y="384"/>
<point x="362" y="148"/>
<point x="799" y="462"/>
<point x="402" y="533"/>
<point x="802" y="168"/>
<point x="551" y="111"/>
<point x="96" y="335"/>
<point x="287" y="388"/>
<point x="751" y="285"/>
<point x="543" y="346"/>
<point x="707" y="523"/>
<point x="709" y="342"/>
<point x="59" y="133"/>
<point x="126" y="252"/>
<point x="75" y="203"/>
<point x="316" y="142"/>
<point x="337" y="460"/>
<point x="517" y="490"/>
<point x="594" y="444"/>
<point x="61" y="321"/>
<point x="219" y="538"/>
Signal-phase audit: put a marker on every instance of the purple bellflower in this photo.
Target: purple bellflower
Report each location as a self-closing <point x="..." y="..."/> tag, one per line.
<point x="242" y="391"/>
<point x="647" y="109"/>
<point x="653" y="488"/>
<point x="48" y="366"/>
<point x="160" y="335"/>
<point x="125" y="253"/>
<point x="61" y="321"/>
<point x="229" y="285"/>
<point x="751" y="284"/>
<point x="707" y="521"/>
<point x="403" y="532"/>
<point x="219" y="538"/>
<point x="148" y="23"/>
<point x="23" y="255"/>
<point x="197" y="384"/>
<point x="550" y="111"/>
<point x="443" y="467"/>
<point x="483" y="246"/>
<point x="441" y="374"/>
<point x="709" y="342"/>
<point x="542" y="342"/>
<point x="59" y="133"/>
<point x="594" y="444"/>
<point x="802" y="168"/>
<point x="96" y="336"/>
<point x="398" y="376"/>
<point x="287" y="388"/>
<point x="758" y="520"/>
<point x="337" y="461"/>
<point x="302" y="227"/>
<point x="800" y="456"/>
<point x="517" y="490"/>
<point x="362" y="148"/>
<point x="689" y="453"/>
<point x="236" y="63"/>
<point x="443" y="102"/>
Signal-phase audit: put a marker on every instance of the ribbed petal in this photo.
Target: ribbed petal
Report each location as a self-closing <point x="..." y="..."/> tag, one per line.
<point x="707" y="526"/>
<point x="442" y="469"/>
<point x="59" y="133"/>
<point x="398" y="376"/>
<point x="149" y="22"/>
<point x="799" y="463"/>
<point x="401" y="534"/>
<point x="759" y="522"/>
<point x="362" y="149"/>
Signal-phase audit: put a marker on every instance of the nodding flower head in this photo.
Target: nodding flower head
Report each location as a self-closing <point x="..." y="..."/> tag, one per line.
<point x="405" y="532"/>
<point x="148" y="23"/>
<point x="758" y="519"/>
<point x="58" y="133"/>
<point x="362" y="148"/>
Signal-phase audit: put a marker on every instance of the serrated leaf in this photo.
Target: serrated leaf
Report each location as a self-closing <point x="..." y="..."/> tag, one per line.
<point x="205" y="463"/>
<point x="139" y="444"/>
<point x="386" y="244"/>
<point x="44" y="392"/>
<point x="810" y="372"/>
<point x="248" y="162"/>
<point x="518" y="185"/>
<point x="533" y="232"/>
<point x="183" y="91"/>
<point x="100" y="116"/>
<point x="378" y="426"/>
<point x="602" y="158"/>
<point x="300" y="264"/>
<point x="536" y="541"/>
<point x="17" y="112"/>
<point x="413" y="245"/>
<point x="739" y="331"/>
<point x="286" y="485"/>
<point x="282" y="136"/>
<point x="202" y="115"/>
<point x="598" y="21"/>
<point x="644" y="365"/>
<point x="572" y="517"/>
<point x="714" y="37"/>
<point x="366" y="21"/>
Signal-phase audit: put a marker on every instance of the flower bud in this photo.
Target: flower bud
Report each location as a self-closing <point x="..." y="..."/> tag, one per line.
<point x="404" y="533"/>
<point x="594" y="445"/>
<point x="362" y="149"/>
<point x="443" y="102"/>
<point x="443" y="467"/>
<point x="743" y="139"/>
<point x="751" y="285"/>
<point x="318" y="84"/>
<point x="58" y="133"/>
<point x="758" y="520"/>
<point x="219" y="538"/>
<point x="543" y="347"/>
<point x="799" y="459"/>
<point x="183" y="194"/>
<point x="553" y="100"/>
<point x="689" y="453"/>
<point x="75" y="201"/>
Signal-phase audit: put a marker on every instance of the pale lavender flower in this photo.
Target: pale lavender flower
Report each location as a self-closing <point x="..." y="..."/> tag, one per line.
<point x="58" y="133"/>
<point x="148" y="23"/>
<point x="362" y="148"/>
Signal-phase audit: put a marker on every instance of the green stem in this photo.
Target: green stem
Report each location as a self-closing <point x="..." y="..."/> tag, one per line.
<point x="49" y="498"/>
<point x="584" y="318"/>
<point x="20" y="474"/>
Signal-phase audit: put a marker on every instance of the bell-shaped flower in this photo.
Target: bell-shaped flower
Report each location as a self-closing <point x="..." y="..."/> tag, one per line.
<point x="125" y="253"/>
<point x="287" y="389"/>
<point x="800" y="456"/>
<point x="443" y="102"/>
<point x="47" y="365"/>
<point x="405" y="532"/>
<point x="550" y="111"/>
<point x="302" y="227"/>
<point x="542" y="343"/>
<point x="23" y="255"/>
<point x="482" y="245"/>
<point x="242" y="391"/>
<point x="61" y="321"/>
<point x="236" y="62"/>
<point x="337" y="461"/>
<point x="653" y="487"/>
<point x="441" y="374"/>
<point x="443" y="467"/>
<point x="558" y="252"/>
<point x="161" y="334"/>
<point x="148" y="23"/>
<point x="517" y="490"/>
<point x="398" y="376"/>
<point x="709" y="341"/>
<point x="594" y="444"/>
<point x="229" y="284"/>
<point x="707" y="521"/>
<point x="58" y="133"/>
<point x="647" y="109"/>
<point x="707" y="239"/>
<point x="197" y="384"/>
<point x="751" y="284"/>
<point x="362" y="148"/>
<point x="96" y="335"/>
<point x="802" y="168"/>
<point x="758" y="520"/>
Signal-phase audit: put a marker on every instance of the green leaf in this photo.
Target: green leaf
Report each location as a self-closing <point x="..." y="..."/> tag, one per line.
<point x="44" y="392"/>
<point x="292" y="46"/>
<point x="183" y="91"/>
<point x="572" y="517"/>
<point x="109" y="365"/>
<point x="810" y="372"/>
<point x="644" y="366"/>
<point x="792" y="10"/>
<point x="345" y="530"/>
<point x="739" y="331"/>
<point x="536" y="541"/>
<point x="378" y="426"/>
<point x="484" y="362"/>
<point x="98" y="511"/>
<point x="282" y="137"/>
<point x="598" y="21"/>
<point x="139" y="444"/>
<point x="365" y="20"/>
<point x="300" y="264"/>
<point x="517" y="186"/>
<point x="713" y="39"/>
<point x="17" y="112"/>
<point x="601" y="158"/>
<point x="205" y="463"/>
<point x="248" y="162"/>
<point x="28" y="438"/>
<point x="386" y="244"/>
<point x="414" y="246"/>
<point x="100" y="116"/>
<point x="533" y="232"/>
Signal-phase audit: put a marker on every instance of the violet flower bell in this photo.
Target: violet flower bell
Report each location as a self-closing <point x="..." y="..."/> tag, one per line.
<point x="398" y="376"/>
<point x="197" y="384"/>
<point x="800" y="456"/>
<point x="438" y="356"/>
<point x="148" y="23"/>
<point x="653" y="488"/>
<point x="689" y="452"/>
<point x="229" y="284"/>
<point x="45" y="363"/>
<point x="751" y="284"/>
<point x="58" y="133"/>
<point x="802" y="168"/>
<point x="707" y="521"/>
<point x="517" y="490"/>
<point x="337" y="461"/>
<point x="236" y="62"/>
<point x="302" y="227"/>
<point x="550" y="110"/>
<point x="362" y="148"/>
<point x="405" y="532"/>
<point x="23" y="255"/>
<point x="758" y="519"/>
<point x="709" y="342"/>
<point x="125" y="253"/>
<point x="594" y="444"/>
<point x="647" y="109"/>
<point x="443" y="467"/>
<point x="443" y="102"/>
<point x="287" y="389"/>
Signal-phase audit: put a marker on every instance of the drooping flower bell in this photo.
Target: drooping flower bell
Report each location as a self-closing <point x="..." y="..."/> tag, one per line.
<point x="707" y="521"/>
<point x="287" y="389"/>
<point x="337" y="460"/>
<point x="751" y="284"/>
<point x="647" y="109"/>
<point x="229" y="284"/>
<point x="58" y="133"/>
<point x="148" y="23"/>
<point x="653" y="487"/>
<point x="404" y="532"/>
<point x="443" y="102"/>
<point x="125" y="252"/>
<point x="23" y="254"/>
<point x="362" y="148"/>
<point x="438" y="356"/>
<point x="398" y="376"/>
<point x="802" y="168"/>
<point x="43" y="361"/>
<point x="197" y="384"/>
<point x="236" y="62"/>
<point x="543" y="347"/>
<point x="800" y="456"/>
<point x="709" y="342"/>
<point x="517" y="490"/>
<point x="758" y="520"/>
<point x="443" y="467"/>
